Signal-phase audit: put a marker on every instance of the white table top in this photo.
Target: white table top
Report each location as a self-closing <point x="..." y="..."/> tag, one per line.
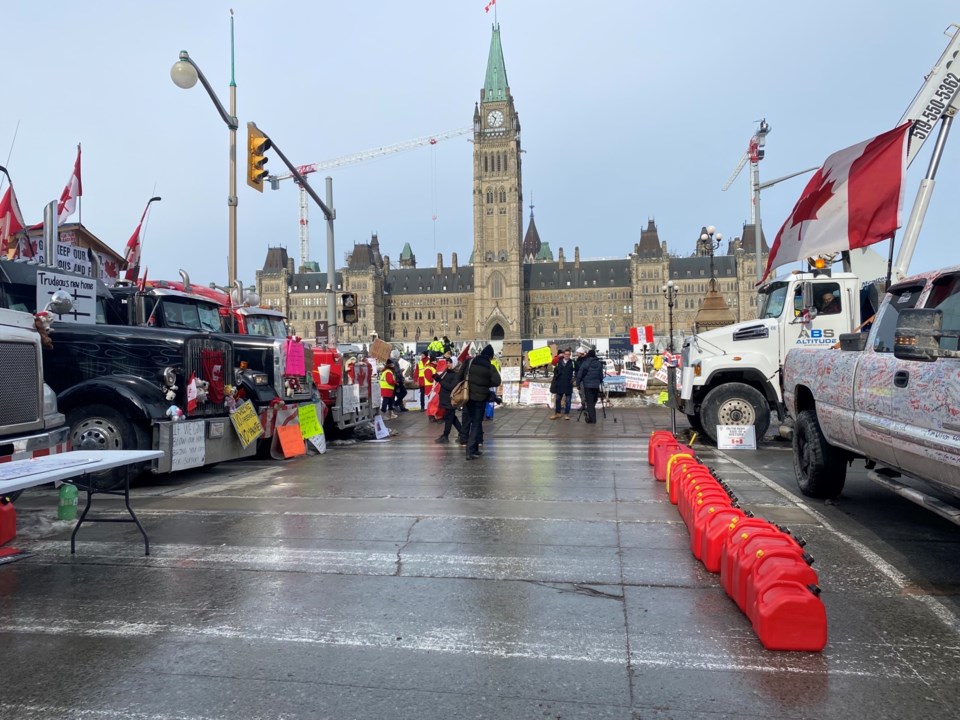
<point x="22" y="474"/>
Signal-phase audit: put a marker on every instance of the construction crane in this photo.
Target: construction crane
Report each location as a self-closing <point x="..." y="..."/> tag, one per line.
<point x="754" y="153"/>
<point x="354" y="159"/>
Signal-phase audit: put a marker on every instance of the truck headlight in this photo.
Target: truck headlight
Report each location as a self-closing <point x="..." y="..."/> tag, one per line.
<point x="260" y="378"/>
<point x="49" y="400"/>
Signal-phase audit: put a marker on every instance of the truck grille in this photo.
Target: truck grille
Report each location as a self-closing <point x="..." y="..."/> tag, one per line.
<point x="211" y="360"/>
<point x="19" y="392"/>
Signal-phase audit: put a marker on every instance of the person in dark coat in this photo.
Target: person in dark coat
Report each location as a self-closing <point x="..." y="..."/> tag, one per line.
<point x="589" y="377"/>
<point x="562" y="384"/>
<point x="448" y="380"/>
<point x="481" y="375"/>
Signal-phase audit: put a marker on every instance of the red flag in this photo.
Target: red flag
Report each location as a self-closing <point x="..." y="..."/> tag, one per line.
<point x="68" y="198"/>
<point x="489" y="5"/>
<point x="132" y="251"/>
<point x="464" y="353"/>
<point x="854" y="200"/>
<point x="192" y="393"/>
<point x="11" y="219"/>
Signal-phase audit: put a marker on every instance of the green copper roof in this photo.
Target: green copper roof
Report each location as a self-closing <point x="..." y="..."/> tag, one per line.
<point x="495" y="86"/>
<point x="545" y="254"/>
<point x="407" y="252"/>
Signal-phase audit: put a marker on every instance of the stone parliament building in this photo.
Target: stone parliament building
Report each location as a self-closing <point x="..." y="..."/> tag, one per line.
<point x="512" y="288"/>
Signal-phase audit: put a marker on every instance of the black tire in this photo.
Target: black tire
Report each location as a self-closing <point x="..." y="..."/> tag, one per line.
<point x="735" y="404"/>
<point x="695" y="424"/>
<point x="98" y="427"/>
<point x="820" y="468"/>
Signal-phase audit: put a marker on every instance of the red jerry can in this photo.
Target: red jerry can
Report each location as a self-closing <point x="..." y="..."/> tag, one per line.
<point x="662" y="455"/>
<point x="745" y="530"/>
<point x="674" y="461"/>
<point x="681" y="472"/>
<point x="699" y="483"/>
<point x="791" y="616"/>
<point x="701" y="518"/>
<point x="715" y="531"/>
<point x="709" y="494"/>
<point x="749" y="552"/>
<point x="774" y="566"/>
<point x="8" y="521"/>
<point x="656" y="438"/>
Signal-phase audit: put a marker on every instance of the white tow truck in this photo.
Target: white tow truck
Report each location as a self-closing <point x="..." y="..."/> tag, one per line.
<point x="733" y="375"/>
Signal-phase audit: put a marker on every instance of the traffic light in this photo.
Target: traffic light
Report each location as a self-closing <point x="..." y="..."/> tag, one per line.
<point x="257" y="145"/>
<point x="348" y="304"/>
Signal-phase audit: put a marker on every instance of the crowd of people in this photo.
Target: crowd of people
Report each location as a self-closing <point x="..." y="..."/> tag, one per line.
<point x="436" y="372"/>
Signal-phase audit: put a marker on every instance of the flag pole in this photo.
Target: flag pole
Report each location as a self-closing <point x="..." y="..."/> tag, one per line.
<point x="9" y="155"/>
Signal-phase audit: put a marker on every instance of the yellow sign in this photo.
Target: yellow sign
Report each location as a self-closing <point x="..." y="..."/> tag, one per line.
<point x="309" y="424"/>
<point x="540" y="356"/>
<point x="246" y="423"/>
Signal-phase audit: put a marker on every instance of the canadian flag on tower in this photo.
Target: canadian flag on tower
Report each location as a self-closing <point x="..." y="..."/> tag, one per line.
<point x="854" y="200"/>
<point x="68" y="198"/>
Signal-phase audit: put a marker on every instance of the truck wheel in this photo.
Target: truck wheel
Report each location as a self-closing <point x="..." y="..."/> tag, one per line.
<point x="734" y="404"/>
<point x="821" y="469"/>
<point x="98" y="427"/>
<point x="695" y="424"/>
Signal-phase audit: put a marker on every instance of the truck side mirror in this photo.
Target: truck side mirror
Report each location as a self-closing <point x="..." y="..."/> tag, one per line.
<point x="918" y="334"/>
<point x="807" y="290"/>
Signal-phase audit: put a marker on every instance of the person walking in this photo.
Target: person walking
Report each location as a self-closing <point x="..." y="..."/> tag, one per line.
<point x="589" y="377"/>
<point x="388" y="382"/>
<point x="399" y="390"/>
<point x="480" y="376"/>
<point x="447" y="380"/>
<point x="562" y="385"/>
<point x="424" y="376"/>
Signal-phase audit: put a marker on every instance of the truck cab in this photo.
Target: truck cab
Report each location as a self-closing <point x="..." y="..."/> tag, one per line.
<point x="731" y="375"/>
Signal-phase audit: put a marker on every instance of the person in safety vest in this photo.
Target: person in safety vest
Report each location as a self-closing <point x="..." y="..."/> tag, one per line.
<point x="419" y="374"/>
<point x="435" y="346"/>
<point x="387" y="383"/>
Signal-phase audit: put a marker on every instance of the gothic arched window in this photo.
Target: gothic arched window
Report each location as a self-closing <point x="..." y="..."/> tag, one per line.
<point x="496" y="286"/>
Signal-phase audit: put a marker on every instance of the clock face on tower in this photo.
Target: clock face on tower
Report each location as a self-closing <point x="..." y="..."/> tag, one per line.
<point x="495" y="118"/>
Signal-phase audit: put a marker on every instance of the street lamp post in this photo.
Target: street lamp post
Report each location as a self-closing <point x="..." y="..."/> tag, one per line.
<point x="713" y="238"/>
<point x="670" y="292"/>
<point x="185" y="73"/>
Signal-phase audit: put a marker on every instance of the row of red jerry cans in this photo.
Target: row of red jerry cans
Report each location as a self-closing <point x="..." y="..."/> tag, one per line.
<point x="762" y="567"/>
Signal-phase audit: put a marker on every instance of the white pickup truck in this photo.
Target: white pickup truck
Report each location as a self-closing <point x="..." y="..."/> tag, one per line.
<point x="890" y="396"/>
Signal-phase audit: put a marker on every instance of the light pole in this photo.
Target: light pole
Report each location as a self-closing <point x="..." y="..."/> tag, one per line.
<point x="185" y="74"/>
<point x="670" y="292"/>
<point x="713" y="238"/>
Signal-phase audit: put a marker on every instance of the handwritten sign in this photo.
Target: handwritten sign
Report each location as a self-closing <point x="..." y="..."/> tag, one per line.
<point x="540" y="356"/>
<point x="736" y="437"/>
<point x="510" y="374"/>
<point x="351" y="398"/>
<point x="291" y="441"/>
<point x="246" y="423"/>
<point x="636" y="379"/>
<point x="189" y="447"/>
<point x="309" y="423"/>
<point x="83" y="292"/>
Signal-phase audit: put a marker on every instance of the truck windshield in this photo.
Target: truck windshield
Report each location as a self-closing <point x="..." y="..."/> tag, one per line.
<point x="191" y="315"/>
<point x="266" y="326"/>
<point x="772" y="299"/>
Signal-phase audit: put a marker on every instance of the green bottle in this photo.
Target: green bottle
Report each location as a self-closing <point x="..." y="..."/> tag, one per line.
<point x="67" y="507"/>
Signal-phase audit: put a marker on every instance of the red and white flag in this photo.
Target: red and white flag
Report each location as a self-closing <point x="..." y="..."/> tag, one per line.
<point x="854" y="200"/>
<point x="192" y="393"/>
<point x="68" y="198"/>
<point x="11" y="220"/>
<point x="486" y="8"/>
<point x="132" y="251"/>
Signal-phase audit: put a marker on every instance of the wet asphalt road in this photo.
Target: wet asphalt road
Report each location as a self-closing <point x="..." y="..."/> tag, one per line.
<point x="550" y="579"/>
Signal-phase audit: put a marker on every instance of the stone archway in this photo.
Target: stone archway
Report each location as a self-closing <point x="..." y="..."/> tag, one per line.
<point x="497" y="332"/>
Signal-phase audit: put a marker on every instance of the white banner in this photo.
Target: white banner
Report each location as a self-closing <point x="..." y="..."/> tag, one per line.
<point x="82" y="290"/>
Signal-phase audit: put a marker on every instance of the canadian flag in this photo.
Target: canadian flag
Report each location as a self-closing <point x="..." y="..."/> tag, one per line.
<point x="11" y="220"/>
<point x="68" y="198"/>
<point x="854" y="200"/>
<point x="132" y="250"/>
<point x="192" y="393"/>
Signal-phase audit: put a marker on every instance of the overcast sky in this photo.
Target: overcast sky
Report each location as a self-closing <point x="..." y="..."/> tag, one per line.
<point x="630" y="111"/>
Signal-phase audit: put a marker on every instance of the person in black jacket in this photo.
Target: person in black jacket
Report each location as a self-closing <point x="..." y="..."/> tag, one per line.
<point x="448" y="380"/>
<point x="562" y="384"/>
<point x="481" y="375"/>
<point x="589" y="378"/>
